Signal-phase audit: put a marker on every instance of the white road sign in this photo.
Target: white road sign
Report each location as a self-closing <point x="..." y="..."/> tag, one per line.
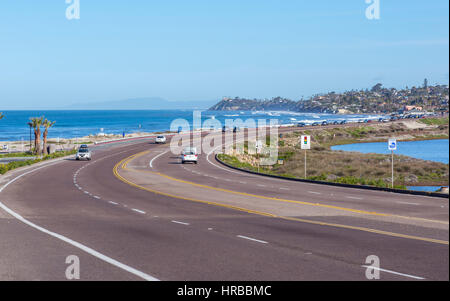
<point x="305" y="142"/>
<point x="392" y="144"/>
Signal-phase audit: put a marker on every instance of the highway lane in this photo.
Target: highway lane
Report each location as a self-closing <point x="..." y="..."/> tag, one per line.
<point x="175" y="239"/>
<point x="428" y="216"/>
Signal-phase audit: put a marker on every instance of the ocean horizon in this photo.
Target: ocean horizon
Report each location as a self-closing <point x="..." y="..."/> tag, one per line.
<point x="80" y="123"/>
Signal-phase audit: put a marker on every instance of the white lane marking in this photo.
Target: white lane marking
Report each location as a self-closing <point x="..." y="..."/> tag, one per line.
<point x="70" y="241"/>
<point x="151" y="161"/>
<point x="138" y="211"/>
<point x="86" y="192"/>
<point x="252" y="239"/>
<point x="97" y="197"/>
<point x="114" y="203"/>
<point x="313" y="192"/>
<point x="283" y="188"/>
<point x="243" y="182"/>
<point x="407" y="203"/>
<point x="209" y="229"/>
<point x="260" y="185"/>
<point x="393" y="272"/>
<point x="177" y="222"/>
<point x="353" y="197"/>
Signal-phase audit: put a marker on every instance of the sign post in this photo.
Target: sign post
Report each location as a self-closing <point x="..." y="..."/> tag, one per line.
<point x="305" y="143"/>
<point x="392" y="146"/>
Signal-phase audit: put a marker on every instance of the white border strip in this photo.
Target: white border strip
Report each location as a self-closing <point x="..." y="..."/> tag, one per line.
<point x="68" y="240"/>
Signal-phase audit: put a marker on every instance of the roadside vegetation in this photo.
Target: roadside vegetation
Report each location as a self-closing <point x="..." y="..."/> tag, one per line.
<point x="323" y="164"/>
<point x="37" y="154"/>
<point x="16" y="164"/>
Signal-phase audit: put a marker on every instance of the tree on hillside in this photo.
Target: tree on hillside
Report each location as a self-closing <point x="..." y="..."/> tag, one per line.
<point x="1" y="115"/>
<point x="46" y="124"/>
<point x="36" y="123"/>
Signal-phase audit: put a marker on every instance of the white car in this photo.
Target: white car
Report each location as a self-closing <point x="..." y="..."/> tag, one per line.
<point x="83" y="153"/>
<point x="189" y="154"/>
<point x="160" y="139"/>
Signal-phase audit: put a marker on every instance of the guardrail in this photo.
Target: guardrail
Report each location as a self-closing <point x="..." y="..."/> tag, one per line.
<point x="412" y="192"/>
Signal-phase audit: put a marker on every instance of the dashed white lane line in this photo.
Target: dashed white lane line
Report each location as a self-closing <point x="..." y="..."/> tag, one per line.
<point x="151" y="162"/>
<point x="314" y="192"/>
<point x="243" y="182"/>
<point x="261" y="185"/>
<point x="138" y="211"/>
<point x="393" y="272"/>
<point x="114" y="203"/>
<point x="181" y="223"/>
<point x="70" y="241"/>
<point x="283" y="188"/>
<point x="408" y="203"/>
<point x="97" y="197"/>
<point x="354" y="197"/>
<point x="252" y="239"/>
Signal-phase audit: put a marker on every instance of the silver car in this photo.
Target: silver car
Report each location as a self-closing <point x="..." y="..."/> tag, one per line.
<point x="83" y="153"/>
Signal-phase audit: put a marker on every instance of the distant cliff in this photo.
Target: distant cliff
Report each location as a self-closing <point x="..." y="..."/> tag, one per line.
<point x="376" y="100"/>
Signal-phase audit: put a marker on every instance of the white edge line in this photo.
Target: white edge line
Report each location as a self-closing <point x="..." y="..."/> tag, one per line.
<point x="393" y="272"/>
<point x="138" y="211"/>
<point x="68" y="240"/>
<point x="253" y="239"/>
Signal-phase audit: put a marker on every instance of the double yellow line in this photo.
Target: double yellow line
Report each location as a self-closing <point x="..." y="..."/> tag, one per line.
<point x="123" y="163"/>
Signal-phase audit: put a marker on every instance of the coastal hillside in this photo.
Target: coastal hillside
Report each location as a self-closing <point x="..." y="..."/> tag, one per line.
<point x="377" y="100"/>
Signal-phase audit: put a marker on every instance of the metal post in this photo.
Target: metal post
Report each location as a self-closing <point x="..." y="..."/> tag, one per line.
<point x="392" y="153"/>
<point x="305" y="163"/>
<point x="30" y="139"/>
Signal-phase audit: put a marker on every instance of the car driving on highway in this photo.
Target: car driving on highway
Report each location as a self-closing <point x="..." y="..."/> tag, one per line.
<point x="83" y="153"/>
<point x="160" y="139"/>
<point x="189" y="154"/>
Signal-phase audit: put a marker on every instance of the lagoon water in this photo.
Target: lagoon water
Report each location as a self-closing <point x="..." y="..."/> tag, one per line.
<point x="71" y="124"/>
<point x="433" y="150"/>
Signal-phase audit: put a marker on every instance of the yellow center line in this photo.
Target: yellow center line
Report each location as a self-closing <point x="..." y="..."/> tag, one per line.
<point x="123" y="163"/>
<point x="124" y="166"/>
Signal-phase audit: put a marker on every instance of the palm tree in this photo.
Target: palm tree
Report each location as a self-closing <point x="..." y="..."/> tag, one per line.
<point x="47" y="124"/>
<point x="1" y="115"/>
<point x="36" y="123"/>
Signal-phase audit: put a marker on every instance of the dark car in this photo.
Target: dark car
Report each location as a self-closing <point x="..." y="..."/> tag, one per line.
<point x="301" y="124"/>
<point x="335" y="122"/>
<point x="343" y="122"/>
<point x="315" y="124"/>
<point x="324" y="122"/>
<point x="235" y="129"/>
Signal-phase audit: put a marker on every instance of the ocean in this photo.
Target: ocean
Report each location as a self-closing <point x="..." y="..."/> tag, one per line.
<point x="77" y="123"/>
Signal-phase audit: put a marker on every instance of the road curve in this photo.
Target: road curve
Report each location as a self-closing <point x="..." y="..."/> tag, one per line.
<point x="170" y="221"/>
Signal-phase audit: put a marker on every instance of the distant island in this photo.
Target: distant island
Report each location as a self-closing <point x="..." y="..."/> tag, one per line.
<point x="377" y="100"/>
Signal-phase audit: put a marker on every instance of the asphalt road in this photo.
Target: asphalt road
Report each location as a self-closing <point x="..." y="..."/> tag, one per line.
<point x="134" y="212"/>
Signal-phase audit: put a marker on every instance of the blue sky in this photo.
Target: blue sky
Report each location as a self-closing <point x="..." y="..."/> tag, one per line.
<point x="204" y="50"/>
